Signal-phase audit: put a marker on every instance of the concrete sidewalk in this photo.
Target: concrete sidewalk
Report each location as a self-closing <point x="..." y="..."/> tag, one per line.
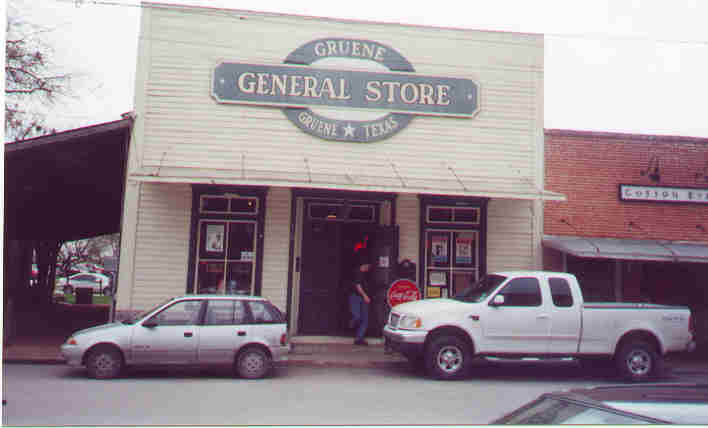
<point x="307" y="351"/>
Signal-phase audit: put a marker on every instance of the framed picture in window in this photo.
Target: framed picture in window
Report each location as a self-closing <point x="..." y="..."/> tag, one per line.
<point x="214" y="238"/>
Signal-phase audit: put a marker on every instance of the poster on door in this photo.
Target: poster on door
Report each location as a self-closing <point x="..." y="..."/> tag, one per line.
<point x="463" y="248"/>
<point x="439" y="244"/>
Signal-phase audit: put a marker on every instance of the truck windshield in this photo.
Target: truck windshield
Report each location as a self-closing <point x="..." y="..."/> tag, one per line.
<point x="480" y="290"/>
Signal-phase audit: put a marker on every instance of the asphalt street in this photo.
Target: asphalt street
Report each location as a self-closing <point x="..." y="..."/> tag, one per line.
<point x="59" y="395"/>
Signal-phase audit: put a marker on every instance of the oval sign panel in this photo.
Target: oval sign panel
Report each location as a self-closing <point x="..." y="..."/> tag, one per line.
<point x="401" y="291"/>
<point x="359" y="103"/>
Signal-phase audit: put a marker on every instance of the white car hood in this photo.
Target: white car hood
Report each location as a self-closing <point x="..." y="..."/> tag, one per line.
<point x="100" y="328"/>
<point x="425" y="307"/>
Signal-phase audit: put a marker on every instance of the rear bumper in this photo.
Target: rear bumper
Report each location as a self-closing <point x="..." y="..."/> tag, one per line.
<point x="280" y="353"/>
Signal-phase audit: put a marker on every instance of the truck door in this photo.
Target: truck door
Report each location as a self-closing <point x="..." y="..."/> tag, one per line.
<point x="565" y="317"/>
<point x="522" y="324"/>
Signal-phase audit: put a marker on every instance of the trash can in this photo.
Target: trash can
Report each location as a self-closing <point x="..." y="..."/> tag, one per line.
<point x="84" y="296"/>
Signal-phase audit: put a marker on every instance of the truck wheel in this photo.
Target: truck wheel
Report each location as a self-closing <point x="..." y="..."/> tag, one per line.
<point x="638" y="361"/>
<point x="447" y="358"/>
<point x="104" y="363"/>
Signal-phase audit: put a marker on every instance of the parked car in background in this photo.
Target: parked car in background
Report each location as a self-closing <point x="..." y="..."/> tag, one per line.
<point x="99" y="283"/>
<point x="243" y="332"/>
<point x="616" y="405"/>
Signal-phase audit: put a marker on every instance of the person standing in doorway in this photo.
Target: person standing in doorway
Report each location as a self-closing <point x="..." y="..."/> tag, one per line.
<point x="360" y="300"/>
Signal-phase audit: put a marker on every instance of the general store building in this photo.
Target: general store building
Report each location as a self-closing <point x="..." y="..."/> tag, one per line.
<point x="268" y="149"/>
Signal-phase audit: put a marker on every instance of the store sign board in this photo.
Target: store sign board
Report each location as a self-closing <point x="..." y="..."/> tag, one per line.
<point x="297" y="87"/>
<point x="629" y="192"/>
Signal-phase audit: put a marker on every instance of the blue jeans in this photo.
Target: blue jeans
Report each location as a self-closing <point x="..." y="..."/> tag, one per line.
<point x="360" y="314"/>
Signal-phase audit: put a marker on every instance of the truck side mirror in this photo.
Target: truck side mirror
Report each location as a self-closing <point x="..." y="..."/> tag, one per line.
<point x="151" y="323"/>
<point x="497" y="301"/>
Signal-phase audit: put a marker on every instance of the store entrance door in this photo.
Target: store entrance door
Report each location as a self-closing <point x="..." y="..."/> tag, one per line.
<point x="328" y="261"/>
<point x="320" y="277"/>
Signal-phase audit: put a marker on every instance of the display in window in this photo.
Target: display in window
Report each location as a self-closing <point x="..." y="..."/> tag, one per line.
<point x="433" y="291"/>
<point x="215" y="238"/>
<point x="437" y="279"/>
<point x="239" y="278"/>
<point x="438" y="248"/>
<point x="211" y="278"/>
<point x="464" y="248"/>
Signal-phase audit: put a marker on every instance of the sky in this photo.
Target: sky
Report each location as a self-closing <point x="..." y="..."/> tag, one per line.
<point x="634" y="66"/>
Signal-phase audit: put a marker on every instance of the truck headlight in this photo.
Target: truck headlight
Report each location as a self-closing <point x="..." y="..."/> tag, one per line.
<point x="410" y="321"/>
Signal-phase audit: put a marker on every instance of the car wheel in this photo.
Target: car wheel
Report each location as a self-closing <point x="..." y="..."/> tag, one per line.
<point x="107" y="291"/>
<point x="637" y="361"/>
<point x="104" y="363"/>
<point x="253" y="363"/>
<point x="68" y="289"/>
<point x="447" y="357"/>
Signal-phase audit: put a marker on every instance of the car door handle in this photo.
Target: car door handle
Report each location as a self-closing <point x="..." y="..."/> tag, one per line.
<point x="241" y="333"/>
<point x="188" y="334"/>
<point x="543" y="317"/>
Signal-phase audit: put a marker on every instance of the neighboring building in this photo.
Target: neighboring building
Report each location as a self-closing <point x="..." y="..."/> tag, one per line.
<point x="635" y="225"/>
<point x="267" y="148"/>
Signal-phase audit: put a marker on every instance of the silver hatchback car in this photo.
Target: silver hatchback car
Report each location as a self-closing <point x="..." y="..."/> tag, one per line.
<point x="248" y="333"/>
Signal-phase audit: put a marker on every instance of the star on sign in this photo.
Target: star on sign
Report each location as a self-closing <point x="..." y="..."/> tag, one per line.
<point x="349" y="130"/>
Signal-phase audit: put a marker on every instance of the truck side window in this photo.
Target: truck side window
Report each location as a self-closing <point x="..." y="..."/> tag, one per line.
<point x="522" y="292"/>
<point x="560" y="291"/>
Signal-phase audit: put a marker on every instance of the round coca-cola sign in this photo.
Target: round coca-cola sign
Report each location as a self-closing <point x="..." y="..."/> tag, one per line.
<point x="401" y="291"/>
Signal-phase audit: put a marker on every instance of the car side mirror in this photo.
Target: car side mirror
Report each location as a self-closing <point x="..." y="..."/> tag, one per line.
<point x="497" y="301"/>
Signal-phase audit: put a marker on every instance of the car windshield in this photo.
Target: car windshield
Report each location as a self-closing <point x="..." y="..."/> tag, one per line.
<point x="554" y="411"/>
<point x="480" y="290"/>
<point x="143" y="314"/>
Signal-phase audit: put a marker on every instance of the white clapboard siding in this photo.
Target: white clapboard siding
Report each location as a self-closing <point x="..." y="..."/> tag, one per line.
<point x="184" y="130"/>
<point x="511" y="239"/>
<point x="407" y="212"/>
<point x="161" y="244"/>
<point x="276" y="247"/>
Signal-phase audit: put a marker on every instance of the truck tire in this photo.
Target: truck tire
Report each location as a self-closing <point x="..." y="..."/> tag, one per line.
<point x="447" y="357"/>
<point x="638" y="361"/>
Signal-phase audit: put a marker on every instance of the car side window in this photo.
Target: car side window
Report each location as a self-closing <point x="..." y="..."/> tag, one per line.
<point x="225" y="312"/>
<point x="264" y="313"/>
<point x="185" y="312"/>
<point x="560" y="292"/>
<point x="522" y="292"/>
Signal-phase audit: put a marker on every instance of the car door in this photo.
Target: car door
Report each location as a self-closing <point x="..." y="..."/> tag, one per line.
<point x="170" y="336"/>
<point x="224" y="331"/>
<point x="522" y="323"/>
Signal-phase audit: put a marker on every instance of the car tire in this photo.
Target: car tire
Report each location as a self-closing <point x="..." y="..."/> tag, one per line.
<point x="447" y="357"/>
<point x="68" y="289"/>
<point x="104" y="363"/>
<point x="107" y="291"/>
<point x="253" y="363"/>
<point x="638" y="361"/>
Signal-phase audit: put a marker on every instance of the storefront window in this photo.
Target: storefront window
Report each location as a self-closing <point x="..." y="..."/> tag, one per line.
<point x="226" y="244"/>
<point x="227" y="250"/>
<point x="451" y="261"/>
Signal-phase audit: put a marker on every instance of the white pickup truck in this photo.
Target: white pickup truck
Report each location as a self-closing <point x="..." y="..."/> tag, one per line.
<point x="535" y="314"/>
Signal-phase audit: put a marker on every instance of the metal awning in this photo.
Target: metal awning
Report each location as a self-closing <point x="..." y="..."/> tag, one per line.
<point x="629" y="249"/>
<point x="389" y="181"/>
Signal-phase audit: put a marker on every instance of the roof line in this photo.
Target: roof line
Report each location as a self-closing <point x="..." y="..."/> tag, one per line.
<point x="86" y="131"/>
<point x="622" y="135"/>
